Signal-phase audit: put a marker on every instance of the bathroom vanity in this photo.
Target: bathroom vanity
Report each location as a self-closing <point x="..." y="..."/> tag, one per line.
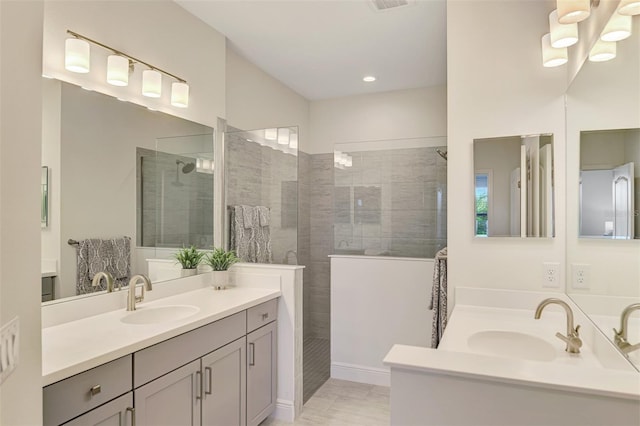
<point x="200" y="357"/>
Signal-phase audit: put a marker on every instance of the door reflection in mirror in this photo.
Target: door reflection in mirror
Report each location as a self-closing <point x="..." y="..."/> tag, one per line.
<point x="514" y="188"/>
<point x="609" y="184"/>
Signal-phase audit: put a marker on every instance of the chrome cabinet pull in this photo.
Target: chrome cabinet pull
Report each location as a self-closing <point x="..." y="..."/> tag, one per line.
<point x="252" y="354"/>
<point x="133" y="415"/>
<point x="198" y="385"/>
<point x="210" y="378"/>
<point x="95" y="390"/>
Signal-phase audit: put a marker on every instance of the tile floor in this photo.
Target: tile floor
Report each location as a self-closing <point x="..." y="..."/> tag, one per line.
<point x="342" y="403"/>
<point x="317" y="365"/>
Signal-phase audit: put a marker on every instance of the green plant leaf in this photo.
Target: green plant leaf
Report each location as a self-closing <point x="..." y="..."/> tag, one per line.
<point x="220" y="259"/>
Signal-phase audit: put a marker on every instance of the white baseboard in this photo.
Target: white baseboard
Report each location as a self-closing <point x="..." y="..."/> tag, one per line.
<point x="284" y="411"/>
<point x="360" y="374"/>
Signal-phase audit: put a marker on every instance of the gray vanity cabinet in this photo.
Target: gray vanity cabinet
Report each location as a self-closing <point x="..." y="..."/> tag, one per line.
<point x="224" y="385"/>
<point x="118" y="412"/>
<point x="173" y="399"/>
<point x="261" y="373"/>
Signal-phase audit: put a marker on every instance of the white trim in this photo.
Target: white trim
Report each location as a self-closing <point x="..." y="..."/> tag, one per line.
<point x="361" y="374"/>
<point x="284" y="411"/>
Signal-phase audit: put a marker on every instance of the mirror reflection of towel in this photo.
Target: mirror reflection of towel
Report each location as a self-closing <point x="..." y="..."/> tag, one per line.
<point x="95" y="255"/>
<point x="439" y="297"/>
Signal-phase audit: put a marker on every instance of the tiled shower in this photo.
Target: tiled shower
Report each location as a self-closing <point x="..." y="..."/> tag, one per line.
<point x="390" y="200"/>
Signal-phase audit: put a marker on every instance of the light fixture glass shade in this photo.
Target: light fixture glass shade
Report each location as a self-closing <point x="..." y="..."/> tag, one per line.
<point x="618" y="28"/>
<point x="293" y="140"/>
<point x="283" y="136"/>
<point x="602" y="51"/>
<point x="76" y="55"/>
<point x="572" y="11"/>
<point x="180" y="94"/>
<point x="562" y="35"/>
<point x="117" y="70"/>
<point x="629" y="7"/>
<point x="271" y="134"/>
<point x="151" y="83"/>
<point x="552" y="57"/>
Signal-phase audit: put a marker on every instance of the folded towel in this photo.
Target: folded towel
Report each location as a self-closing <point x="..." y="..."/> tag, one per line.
<point x="264" y="216"/>
<point x="249" y="216"/>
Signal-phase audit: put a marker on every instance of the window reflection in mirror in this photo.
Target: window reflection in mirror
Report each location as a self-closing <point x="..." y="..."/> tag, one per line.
<point x="609" y="175"/>
<point x="514" y="187"/>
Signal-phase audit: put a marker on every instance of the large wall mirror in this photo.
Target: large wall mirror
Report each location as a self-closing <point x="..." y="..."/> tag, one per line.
<point x="137" y="181"/>
<point x="603" y="140"/>
<point x="514" y="189"/>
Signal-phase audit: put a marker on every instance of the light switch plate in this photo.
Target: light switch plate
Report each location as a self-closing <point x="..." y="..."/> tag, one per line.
<point x="9" y="348"/>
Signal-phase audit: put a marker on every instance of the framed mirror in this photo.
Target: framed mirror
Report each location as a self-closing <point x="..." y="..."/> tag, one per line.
<point x="603" y="251"/>
<point x="91" y="142"/>
<point x="514" y="189"/>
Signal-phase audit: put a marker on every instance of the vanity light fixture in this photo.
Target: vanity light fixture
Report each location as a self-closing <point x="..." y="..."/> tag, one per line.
<point x="120" y="65"/>
<point x="271" y="134"/>
<point x="573" y="11"/>
<point x="151" y="83"/>
<point x="118" y="70"/>
<point x="602" y="51"/>
<point x="618" y="28"/>
<point x="369" y="79"/>
<point x="283" y="136"/>
<point x="629" y="7"/>
<point x="562" y="35"/>
<point x="76" y="55"/>
<point x="552" y="57"/>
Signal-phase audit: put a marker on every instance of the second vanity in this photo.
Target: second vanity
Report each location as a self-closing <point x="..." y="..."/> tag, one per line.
<point x="200" y="357"/>
<point x="498" y="365"/>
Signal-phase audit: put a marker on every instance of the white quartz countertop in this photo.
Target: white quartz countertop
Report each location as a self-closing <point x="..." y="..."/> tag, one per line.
<point x="581" y="373"/>
<point x="73" y="347"/>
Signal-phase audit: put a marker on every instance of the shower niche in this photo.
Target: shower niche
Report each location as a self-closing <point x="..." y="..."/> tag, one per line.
<point x="513" y="186"/>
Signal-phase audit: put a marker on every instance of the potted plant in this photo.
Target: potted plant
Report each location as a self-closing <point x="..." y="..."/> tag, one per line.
<point x="220" y="261"/>
<point x="189" y="258"/>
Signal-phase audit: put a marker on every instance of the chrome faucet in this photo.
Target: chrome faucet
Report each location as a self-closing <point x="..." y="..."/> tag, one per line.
<point x="132" y="299"/>
<point x="620" y="337"/>
<point x="107" y="277"/>
<point x="572" y="339"/>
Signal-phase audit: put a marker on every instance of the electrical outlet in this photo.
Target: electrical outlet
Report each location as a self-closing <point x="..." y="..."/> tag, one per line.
<point x="9" y="345"/>
<point x="580" y="275"/>
<point x="551" y="275"/>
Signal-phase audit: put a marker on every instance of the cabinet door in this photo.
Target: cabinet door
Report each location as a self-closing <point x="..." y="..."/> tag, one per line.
<point x="261" y="373"/>
<point x="224" y="385"/>
<point x="118" y="412"/>
<point x="172" y="399"/>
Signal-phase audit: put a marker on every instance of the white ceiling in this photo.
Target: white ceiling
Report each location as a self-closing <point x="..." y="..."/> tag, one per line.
<point x="323" y="48"/>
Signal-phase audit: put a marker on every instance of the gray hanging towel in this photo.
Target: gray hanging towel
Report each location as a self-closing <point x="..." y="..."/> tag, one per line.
<point x="439" y="297"/>
<point x="95" y="255"/>
<point x="249" y="237"/>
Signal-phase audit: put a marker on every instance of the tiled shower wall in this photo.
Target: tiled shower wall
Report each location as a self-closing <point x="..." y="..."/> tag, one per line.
<point x="173" y="207"/>
<point x="260" y="176"/>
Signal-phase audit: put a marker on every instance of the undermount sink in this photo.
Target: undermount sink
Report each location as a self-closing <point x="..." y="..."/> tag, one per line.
<point x="511" y="344"/>
<point x="159" y="314"/>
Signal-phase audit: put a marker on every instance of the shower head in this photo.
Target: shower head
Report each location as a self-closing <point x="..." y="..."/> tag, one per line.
<point x="186" y="167"/>
<point x="442" y="153"/>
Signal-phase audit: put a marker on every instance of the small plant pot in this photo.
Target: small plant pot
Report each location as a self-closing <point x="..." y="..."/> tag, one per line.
<point x="220" y="279"/>
<point x="188" y="272"/>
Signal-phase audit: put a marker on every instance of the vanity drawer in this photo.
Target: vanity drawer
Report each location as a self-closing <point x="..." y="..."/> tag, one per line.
<point x="159" y="359"/>
<point x="71" y="397"/>
<point x="262" y="314"/>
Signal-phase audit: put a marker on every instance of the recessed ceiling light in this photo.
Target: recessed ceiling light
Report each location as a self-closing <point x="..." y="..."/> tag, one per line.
<point x="369" y="79"/>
